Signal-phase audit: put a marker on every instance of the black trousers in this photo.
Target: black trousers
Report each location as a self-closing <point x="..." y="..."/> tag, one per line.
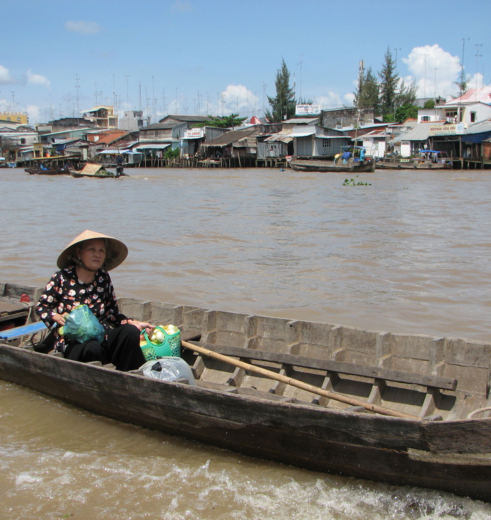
<point x="122" y="349"/>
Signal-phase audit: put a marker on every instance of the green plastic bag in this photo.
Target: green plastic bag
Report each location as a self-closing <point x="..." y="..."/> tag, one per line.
<point x="81" y="325"/>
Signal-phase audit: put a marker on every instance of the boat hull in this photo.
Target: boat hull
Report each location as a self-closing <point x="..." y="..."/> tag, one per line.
<point x="293" y="434"/>
<point x="412" y="165"/>
<point x="39" y="171"/>
<point x="306" y="165"/>
<point x="235" y="409"/>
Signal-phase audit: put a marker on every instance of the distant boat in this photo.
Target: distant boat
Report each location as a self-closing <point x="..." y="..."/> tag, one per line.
<point x="427" y="160"/>
<point x="50" y="165"/>
<point x="98" y="171"/>
<point x="352" y="159"/>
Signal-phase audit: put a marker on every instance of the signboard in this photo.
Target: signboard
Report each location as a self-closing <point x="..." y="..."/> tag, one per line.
<point x="307" y="110"/>
<point x="194" y="133"/>
<point x="457" y="129"/>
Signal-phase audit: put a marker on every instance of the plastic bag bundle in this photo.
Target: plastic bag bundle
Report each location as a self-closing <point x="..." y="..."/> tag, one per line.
<point x="81" y="325"/>
<point x="168" y="369"/>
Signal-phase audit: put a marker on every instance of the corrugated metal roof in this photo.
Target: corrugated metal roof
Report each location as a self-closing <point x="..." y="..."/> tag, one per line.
<point x="160" y="126"/>
<point x="362" y="127"/>
<point x="281" y="137"/>
<point x="152" y="147"/>
<point x="303" y="134"/>
<point x="186" y="118"/>
<point x="115" y="151"/>
<point x="480" y="95"/>
<point x="302" y="120"/>
<point x="420" y="132"/>
<point x="481" y="126"/>
<point x="228" y="138"/>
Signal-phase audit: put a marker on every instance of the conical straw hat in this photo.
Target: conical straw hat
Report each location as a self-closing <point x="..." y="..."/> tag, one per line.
<point x="115" y="255"/>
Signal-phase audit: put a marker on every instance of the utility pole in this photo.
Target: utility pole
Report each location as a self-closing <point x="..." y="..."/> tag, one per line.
<point x="462" y="74"/>
<point x="115" y="99"/>
<point x="78" y="108"/>
<point x="424" y="91"/>
<point x="435" y="89"/>
<point x="396" y="59"/>
<point x="127" y="92"/>
<point x="477" y="63"/>
<point x="300" y="87"/>
<point x="264" y="94"/>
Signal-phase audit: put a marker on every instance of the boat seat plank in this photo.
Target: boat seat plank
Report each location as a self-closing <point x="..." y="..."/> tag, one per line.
<point x="386" y="374"/>
<point x="24" y="330"/>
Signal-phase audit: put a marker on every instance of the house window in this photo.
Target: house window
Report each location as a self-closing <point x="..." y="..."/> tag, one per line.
<point x="425" y="118"/>
<point x="326" y="143"/>
<point x="22" y="140"/>
<point x="473" y="117"/>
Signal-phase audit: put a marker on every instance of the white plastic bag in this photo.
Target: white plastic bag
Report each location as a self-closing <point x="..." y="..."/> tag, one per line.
<point x="168" y="369"/>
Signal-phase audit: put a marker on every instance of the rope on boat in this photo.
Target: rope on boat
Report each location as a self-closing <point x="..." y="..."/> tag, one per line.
<point x="475" y="412"/>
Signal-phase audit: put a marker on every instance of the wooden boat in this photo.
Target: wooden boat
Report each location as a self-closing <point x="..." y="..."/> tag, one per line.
<point x="351" y="160"/>
<point x="50" y="169"/>
<point x="439" y="387"/>
<point x="427" y="160"/>
<point x="51" y="166"/>
<point x="97" y="171"/>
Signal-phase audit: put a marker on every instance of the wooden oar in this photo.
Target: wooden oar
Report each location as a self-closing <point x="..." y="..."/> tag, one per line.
<point x="299" y="384"/>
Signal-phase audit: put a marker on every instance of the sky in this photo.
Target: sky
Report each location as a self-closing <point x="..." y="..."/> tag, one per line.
<point x="218" y="57"/>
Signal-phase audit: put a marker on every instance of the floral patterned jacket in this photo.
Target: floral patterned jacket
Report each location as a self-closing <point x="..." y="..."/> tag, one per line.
<point x="65" y="291"/>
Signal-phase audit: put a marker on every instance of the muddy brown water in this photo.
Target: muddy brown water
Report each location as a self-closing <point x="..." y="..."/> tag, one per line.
<point x="409" y="253"/>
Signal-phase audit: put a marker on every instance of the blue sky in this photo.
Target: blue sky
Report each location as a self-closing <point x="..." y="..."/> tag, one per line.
<point x="218" y="56"/>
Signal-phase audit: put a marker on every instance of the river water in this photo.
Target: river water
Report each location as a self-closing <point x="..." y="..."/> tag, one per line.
<point x="407" y="253"/>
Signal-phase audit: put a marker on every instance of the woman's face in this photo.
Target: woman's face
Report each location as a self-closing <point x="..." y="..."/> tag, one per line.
<point x="92" y="253"/>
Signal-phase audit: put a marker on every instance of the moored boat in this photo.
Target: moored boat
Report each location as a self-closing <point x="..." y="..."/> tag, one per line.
<point x="427" y="160"/>
<point x="352" y="159"/>
<point x="439" y="435"/>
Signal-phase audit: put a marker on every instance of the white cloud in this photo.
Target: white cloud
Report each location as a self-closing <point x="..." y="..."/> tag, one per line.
<point x="5" y="76"/>
<point x="83" y="27"/>
<point x="475" y="81"/>
<point x="34" y="113"/>
<point x="433" y="71"/>
<point x="349" y="98"/>
<point x="329" y="100"/>
<point x="37" y="79"/>
<point x="237" y="99"/>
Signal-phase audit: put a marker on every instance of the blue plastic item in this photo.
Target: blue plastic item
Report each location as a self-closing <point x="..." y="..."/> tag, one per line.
<point x="81" y="325"/>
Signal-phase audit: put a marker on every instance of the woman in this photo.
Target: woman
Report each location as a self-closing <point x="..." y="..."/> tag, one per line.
<point x="83" y="279"/>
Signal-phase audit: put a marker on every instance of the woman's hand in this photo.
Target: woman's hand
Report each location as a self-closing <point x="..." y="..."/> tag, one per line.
<point x="140" y="325"/>
<point x="58" y="318"/>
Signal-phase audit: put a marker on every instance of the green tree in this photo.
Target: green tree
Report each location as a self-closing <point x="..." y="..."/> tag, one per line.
<point x="283" y="104"/>
<point x="463" y="86"/>
<point x="388" y="85"/>
<point x="429" y="103"/>
<point x="406" y="112"/>
<point x="222" y="121"/>
<point x="367" y="93"/>
<point x="172" y="153"/>
<point x="406" y="94"/>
